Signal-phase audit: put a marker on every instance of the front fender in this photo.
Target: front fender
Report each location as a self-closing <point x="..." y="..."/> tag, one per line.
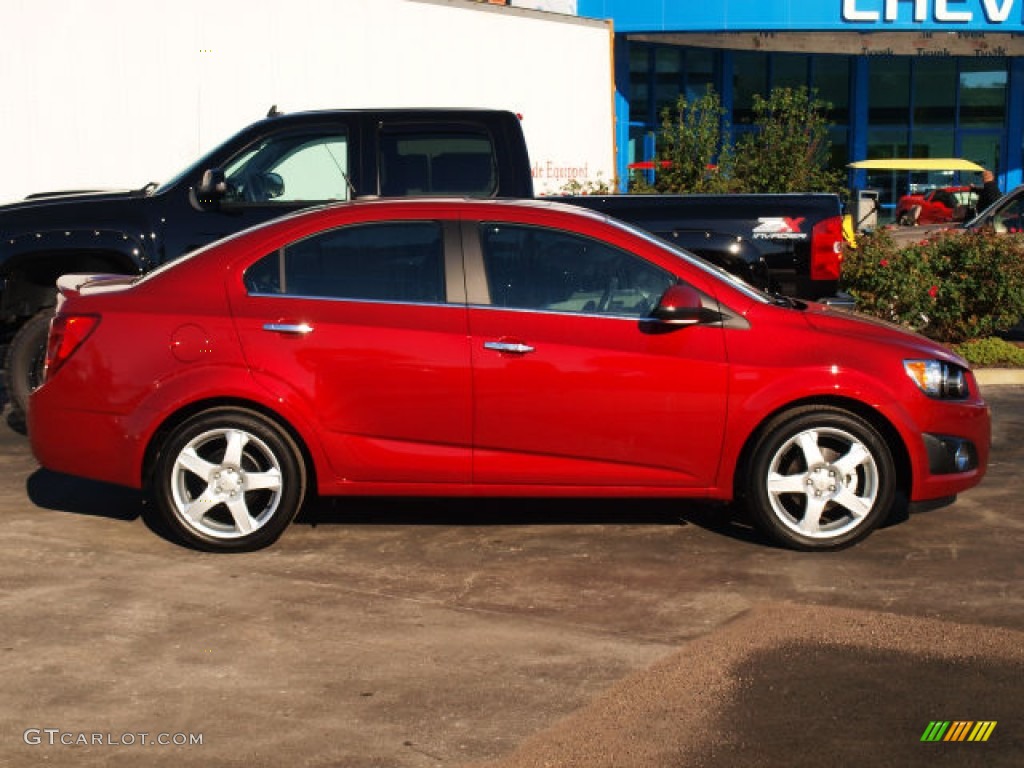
<point x="757" y="395"/>
<point x="31" y="263"/>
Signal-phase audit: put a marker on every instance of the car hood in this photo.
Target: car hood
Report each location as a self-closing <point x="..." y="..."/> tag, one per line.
<point x="42" y="199"/>
<point x="73" y="210"/>
<point x="844" y="322"/>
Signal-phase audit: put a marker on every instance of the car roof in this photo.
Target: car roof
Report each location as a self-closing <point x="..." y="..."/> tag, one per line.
<point x="472" y="205"/>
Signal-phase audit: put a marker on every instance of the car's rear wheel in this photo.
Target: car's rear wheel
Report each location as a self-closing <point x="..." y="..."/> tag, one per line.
<point x="229" y="479"/>
<point x="819" y="478"/>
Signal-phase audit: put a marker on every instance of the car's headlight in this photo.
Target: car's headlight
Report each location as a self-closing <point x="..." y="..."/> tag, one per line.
<point x="937" y="378"/>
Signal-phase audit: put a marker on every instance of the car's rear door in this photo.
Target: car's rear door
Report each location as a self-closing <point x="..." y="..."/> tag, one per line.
<point x="573" y="386"/>
<point x="363" y="325"/>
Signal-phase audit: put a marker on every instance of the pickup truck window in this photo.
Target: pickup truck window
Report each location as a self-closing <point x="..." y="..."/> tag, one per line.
<point x="395" y="261"/>
<point x="290" y="168"/>
<point x="458" y="162"/>
<point x="554" y="271"/>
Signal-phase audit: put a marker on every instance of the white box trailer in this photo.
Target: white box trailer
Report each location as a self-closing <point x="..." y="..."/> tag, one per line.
<point x="118" y="93"/>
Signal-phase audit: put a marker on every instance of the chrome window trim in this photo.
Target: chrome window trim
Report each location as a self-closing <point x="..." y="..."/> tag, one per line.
<point x="353" y="300"/>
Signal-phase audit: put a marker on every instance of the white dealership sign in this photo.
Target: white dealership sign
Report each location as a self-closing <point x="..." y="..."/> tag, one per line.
<point x="942" y="11"/>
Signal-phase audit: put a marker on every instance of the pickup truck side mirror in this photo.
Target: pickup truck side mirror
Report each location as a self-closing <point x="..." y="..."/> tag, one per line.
<point x="680" y="305"/>
<point x="212" y="187"/>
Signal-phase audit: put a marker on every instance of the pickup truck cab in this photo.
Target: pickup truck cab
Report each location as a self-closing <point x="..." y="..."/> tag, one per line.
<point x="274" y="166"/>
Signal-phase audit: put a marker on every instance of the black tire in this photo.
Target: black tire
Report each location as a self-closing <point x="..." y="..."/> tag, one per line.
<point x="26" y="360"/>
<point x="228" y="480"/>
<point x="819" y="478"/>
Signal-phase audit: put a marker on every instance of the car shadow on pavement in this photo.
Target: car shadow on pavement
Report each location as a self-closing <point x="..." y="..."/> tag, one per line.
<point x="492" y="511"/>
<point x="74" y="495"/>
<point x="64" y="493"/>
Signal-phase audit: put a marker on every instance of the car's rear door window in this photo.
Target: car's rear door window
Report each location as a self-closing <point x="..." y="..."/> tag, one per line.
<point x="441" y="161"/>
<point x="389" y="261"/>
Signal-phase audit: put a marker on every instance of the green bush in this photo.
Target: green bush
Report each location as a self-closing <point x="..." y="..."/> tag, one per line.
<point x="955" y="286"/>
<point x="991" y="352"/>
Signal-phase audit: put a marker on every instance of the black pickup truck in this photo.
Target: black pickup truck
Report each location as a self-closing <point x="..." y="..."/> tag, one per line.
<point x="791" y="243"/>
<point x="276" y="165"/>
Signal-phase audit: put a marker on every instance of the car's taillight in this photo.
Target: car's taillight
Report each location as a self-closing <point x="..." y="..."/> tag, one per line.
<point x="827" y="249"/>
<point x="67" y="332"/>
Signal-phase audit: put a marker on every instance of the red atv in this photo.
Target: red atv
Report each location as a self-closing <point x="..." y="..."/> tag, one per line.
<point x="937" y="206"/>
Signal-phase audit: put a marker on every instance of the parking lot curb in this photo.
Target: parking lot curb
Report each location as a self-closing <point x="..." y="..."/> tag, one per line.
<point x="988" y="377"/>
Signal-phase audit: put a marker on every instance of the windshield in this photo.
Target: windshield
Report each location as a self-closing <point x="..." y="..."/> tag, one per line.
<point x="201" y="163"/>
<point x="1002" y="213"/>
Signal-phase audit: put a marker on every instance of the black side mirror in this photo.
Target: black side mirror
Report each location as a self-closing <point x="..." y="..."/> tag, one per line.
<point x="273" y="185"/>
<point x="680" y="305"/>
<point x="213" y="186"/>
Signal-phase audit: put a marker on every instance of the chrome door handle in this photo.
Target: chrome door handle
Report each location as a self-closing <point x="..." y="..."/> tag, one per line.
<point x="298" y="328"/>
<point x="511" y="347"/>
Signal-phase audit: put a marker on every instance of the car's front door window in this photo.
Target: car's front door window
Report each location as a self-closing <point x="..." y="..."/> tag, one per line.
<point x="554" y="271"/>
<point x="291" y="168"/>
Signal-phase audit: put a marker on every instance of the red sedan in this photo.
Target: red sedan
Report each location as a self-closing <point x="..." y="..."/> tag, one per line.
<point x="456" y="347"/>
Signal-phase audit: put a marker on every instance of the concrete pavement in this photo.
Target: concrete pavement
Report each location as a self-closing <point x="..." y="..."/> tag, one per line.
<point x="507" y="633"/>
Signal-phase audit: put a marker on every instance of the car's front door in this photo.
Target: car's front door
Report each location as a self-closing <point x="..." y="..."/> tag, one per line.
<point x="573" y="385"/>
<point x="361" y="324"/>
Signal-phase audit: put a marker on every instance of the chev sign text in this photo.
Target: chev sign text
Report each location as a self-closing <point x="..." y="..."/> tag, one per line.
<point x="947" y="11"/>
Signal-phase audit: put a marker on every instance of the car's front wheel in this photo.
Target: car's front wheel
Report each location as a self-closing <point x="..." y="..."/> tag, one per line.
<point x="228" y="479"/>
<point x="819" y="478"/>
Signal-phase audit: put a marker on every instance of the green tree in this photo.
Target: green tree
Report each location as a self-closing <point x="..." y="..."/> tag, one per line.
<point x="788" y="150"/>
<point x="692" y="154"/>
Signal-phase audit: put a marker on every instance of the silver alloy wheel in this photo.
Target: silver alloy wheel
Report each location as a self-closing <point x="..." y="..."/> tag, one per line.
<point x="226" y="483"/>
<point x="822" y="482"/>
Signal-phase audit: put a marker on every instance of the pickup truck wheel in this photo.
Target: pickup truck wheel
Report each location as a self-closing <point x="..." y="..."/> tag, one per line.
<point x="26" y="359"/>
<point x="228" y="479"/>
<point x="819" y="478"/>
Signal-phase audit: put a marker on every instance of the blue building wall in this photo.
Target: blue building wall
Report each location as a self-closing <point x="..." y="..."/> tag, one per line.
<point x="995" y="18"/>
<point x="808" y="15"/>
